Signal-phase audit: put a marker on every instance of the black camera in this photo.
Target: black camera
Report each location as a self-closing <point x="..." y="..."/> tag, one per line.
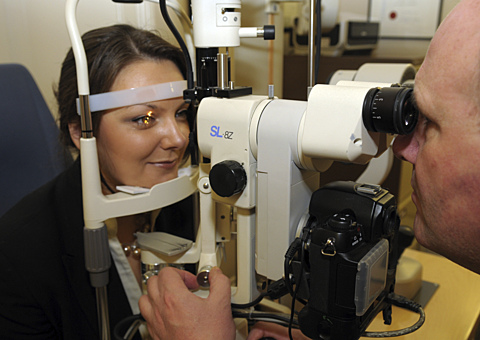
<point x="348" y="260"/>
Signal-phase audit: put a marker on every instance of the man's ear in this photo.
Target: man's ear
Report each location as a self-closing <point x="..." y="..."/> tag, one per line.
<point x="75" y="133"/>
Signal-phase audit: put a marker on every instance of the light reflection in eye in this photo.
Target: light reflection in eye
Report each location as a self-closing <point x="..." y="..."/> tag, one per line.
<point x="147" y="119"/>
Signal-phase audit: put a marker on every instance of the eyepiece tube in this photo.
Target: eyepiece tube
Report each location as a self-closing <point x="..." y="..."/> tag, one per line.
<point x="390" y="110"/>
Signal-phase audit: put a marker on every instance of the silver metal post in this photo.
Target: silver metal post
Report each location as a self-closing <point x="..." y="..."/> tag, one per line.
<point x="222" y="70"/>
<point x="102" y="311"/>
<point x="311" y="46"/>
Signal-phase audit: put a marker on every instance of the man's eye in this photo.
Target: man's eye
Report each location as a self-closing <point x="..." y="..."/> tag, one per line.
<point x="425" y="120"/>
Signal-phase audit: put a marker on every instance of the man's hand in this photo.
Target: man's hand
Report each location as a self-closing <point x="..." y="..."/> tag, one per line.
<point x="172" y="311"/>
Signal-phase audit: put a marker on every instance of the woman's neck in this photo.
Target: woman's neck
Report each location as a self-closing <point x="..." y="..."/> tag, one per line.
<point x="127" y="226"/>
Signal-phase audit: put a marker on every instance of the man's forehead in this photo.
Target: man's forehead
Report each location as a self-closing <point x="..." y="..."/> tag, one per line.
<point x="460" y="28"/>
<point x="453" y="57"/>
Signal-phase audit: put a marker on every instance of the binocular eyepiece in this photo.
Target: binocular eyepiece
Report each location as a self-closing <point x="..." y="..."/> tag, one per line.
<point x="390" y="110"/>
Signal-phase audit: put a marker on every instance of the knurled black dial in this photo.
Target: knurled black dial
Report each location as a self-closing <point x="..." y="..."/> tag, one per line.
<point x="228" y="178"/>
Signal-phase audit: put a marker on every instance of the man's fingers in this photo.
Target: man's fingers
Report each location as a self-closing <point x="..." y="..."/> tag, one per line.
<point x="219" y="286"/>
<point x="154" y="320"/>
<point x="153" y="291"/>
<point x="173" y="277"/>
<point x="190" y="280"/>
<point x="145" y="307"/>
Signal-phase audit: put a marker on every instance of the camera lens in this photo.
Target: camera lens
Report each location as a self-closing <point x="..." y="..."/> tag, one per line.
<point x="390" y="110"/>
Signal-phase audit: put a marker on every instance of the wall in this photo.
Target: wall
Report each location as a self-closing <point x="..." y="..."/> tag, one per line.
<point x="386" y="47"/>
<point x="252" y="57"/>
<point x="33" y="32"/>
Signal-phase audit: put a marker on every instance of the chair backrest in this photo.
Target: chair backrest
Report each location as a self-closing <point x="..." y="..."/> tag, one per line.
<point x="30" y="150"/>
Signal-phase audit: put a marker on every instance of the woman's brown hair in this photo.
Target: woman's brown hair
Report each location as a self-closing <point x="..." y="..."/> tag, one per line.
<point x="109" y="50"/>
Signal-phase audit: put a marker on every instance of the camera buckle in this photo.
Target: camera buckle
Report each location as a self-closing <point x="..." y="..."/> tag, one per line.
<point x="329" y="248"/>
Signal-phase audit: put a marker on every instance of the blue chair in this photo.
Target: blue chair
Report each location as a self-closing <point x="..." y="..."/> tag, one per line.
<point x="30" y="151"/>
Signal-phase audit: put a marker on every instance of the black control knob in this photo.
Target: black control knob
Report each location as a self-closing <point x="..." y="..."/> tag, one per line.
<point x="228" y="178"/>
<point x="269" y="32"/>
<point x="341" y="222"/>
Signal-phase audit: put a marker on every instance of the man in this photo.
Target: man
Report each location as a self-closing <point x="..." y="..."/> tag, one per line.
<point x="445" y="147"/>
<point x="445" y="152"/>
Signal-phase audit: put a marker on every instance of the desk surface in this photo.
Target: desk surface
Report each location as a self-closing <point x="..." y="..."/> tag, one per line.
<point x="453" y="310"/>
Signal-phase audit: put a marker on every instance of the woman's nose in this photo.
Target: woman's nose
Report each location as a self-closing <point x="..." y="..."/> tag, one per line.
<point x="175" y="135"/>
<point x="406" y="148"/>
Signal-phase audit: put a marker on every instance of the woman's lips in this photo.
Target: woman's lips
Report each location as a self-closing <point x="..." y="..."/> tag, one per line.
<point x="164" y="164"/>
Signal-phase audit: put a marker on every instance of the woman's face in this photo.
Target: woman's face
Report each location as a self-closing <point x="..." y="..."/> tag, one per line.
<point x="143" y="145"/>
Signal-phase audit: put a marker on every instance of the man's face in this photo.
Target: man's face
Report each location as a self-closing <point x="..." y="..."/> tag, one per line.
<point x="445" y="147"/>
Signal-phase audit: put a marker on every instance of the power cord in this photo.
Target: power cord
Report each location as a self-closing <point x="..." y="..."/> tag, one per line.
<point x="280" y="318"/>
<point x="402" y="302"/>
<point x="133" y="322"/>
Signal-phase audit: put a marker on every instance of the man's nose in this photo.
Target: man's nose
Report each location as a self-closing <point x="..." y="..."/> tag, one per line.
<point x="405" y="147"/>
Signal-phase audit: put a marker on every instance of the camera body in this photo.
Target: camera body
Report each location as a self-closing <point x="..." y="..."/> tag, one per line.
<point x="350" y="260"/>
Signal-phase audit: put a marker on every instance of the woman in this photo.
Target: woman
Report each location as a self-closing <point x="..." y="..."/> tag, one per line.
<point x="44" y="287"/>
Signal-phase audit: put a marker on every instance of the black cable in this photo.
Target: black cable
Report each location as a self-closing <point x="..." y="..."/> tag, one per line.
<point x="193" y="146"/>
<point x="120" y="330"/>
<point x="402" y="302"/>
<point x="104" y="182"/>
<point x="282" y="319"/>
<point x="275" y="290"/>
<point x="249" y="304"/>
<point x="295" y="246"/>
<point x="318" y="38"/>
<point x="173" y="29"/>
<point x="292" y="313"/>
<point x="297" y="286"/>
<point x="291" y="251"/>
<point x="282" y="286"/>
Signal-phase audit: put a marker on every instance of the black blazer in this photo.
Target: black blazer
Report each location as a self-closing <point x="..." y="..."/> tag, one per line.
<point x="45" y="290"/>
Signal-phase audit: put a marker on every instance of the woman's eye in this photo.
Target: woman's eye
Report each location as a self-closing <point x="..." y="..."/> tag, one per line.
<point x="144" y="121"/>
<point x="182" y="114"/>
